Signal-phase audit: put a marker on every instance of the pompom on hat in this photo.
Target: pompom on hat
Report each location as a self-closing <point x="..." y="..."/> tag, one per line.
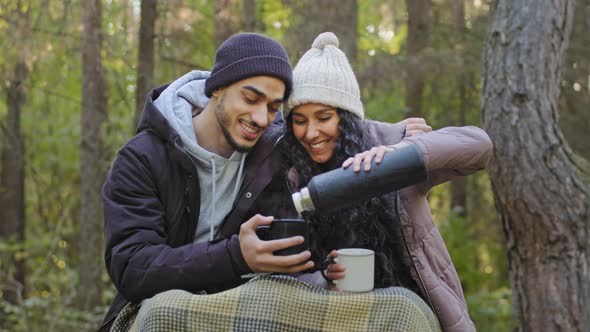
<point x="323" y="75"/>
<point x="245" y="55"/>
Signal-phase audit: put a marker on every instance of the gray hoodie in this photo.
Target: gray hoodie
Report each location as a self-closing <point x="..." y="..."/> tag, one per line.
<point x="219" y="178"/>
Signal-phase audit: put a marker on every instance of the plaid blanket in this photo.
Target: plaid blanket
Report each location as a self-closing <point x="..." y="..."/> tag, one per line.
<point x="280" y="303"/>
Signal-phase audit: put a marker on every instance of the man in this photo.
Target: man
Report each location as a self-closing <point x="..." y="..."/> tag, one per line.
<point x="199" y="160"/>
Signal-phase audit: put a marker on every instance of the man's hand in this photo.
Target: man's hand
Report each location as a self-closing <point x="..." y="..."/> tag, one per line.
<point x="259" y="254"/>
<point x="416" y="126"/>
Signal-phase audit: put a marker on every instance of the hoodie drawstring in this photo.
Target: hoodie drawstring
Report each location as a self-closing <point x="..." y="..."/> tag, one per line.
<point x="214" y="192"/>
<point x="212" y="221"/>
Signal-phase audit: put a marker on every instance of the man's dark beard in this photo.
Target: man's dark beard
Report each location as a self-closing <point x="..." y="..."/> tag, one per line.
<point x="220" y="119"/>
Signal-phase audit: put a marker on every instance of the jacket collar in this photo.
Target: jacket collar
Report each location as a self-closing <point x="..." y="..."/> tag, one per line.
<point x="263" y="148"/>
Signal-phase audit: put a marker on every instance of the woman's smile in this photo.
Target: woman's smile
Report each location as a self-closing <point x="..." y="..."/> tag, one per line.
<point x="315" y="126"/>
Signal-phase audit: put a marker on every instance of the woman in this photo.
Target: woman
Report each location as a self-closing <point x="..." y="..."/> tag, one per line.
<point x="325" y="129"/>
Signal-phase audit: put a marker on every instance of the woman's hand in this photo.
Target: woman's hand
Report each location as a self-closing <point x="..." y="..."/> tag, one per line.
<point x="416" y="126"/>
<point x="367" y="156"/>
<point x="334" y="271"/>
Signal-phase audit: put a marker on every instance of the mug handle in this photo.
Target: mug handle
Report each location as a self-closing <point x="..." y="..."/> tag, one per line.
<point x="324" y="266"/>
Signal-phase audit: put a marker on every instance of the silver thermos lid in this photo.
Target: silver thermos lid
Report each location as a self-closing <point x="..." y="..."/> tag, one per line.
<point x="302" y="201"/>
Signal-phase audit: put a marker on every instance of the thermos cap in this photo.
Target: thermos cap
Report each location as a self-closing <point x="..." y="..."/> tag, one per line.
<point x="302" y="201"/>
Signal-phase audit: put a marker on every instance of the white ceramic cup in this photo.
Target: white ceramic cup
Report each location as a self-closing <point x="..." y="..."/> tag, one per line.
<point x="360" y="269"/>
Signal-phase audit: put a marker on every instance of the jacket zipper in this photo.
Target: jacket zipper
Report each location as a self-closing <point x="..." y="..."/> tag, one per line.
<point x="179" y="208"/>
<point x="193" y="213"/>
<point x="246" y="184"/>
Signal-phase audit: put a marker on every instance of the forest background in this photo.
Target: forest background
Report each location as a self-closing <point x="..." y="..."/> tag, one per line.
<point x="74" y="75"/>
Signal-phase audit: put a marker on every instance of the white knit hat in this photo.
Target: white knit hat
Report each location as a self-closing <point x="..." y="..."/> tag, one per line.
<point x="324" y="76"/>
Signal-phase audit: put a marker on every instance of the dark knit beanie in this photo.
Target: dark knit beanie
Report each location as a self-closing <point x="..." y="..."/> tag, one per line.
<point x="246" y="55"/>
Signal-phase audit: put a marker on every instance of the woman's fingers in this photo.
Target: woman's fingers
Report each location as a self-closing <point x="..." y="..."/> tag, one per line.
<point x="416" y="126"/>
<point x="358" y="159"/>
<point x="365" y="159"/>
<point x="369" y="158"/>
<point x="335" y="271"/>
<point x="347" y="162"/>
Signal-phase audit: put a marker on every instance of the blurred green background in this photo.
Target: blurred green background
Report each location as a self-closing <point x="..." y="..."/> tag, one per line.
<point x="430" y="70"/>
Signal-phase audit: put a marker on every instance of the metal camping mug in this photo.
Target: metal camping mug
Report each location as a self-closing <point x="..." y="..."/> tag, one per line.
<point x="360" y="269"/>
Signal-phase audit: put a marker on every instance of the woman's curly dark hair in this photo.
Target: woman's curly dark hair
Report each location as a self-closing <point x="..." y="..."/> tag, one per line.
<point x="372" y="224"/>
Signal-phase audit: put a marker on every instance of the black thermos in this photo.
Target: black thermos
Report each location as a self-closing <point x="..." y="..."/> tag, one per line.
<point x="342" y="187"/>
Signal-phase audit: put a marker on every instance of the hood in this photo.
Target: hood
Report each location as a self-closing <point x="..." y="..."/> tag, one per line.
<point x="168" y="109"/>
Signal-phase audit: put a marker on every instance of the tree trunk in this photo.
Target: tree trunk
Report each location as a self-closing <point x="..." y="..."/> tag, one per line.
<point x="251" y="21"/>
<point x="145" y="55"/>
<point x="459" y="185"/>
<point x="12" y="191"/>
<point x="92" y="166"/>
<point x="12" y="180"/>
<point x="416" y="43"/>
<point x="541" y="193"/>
<point x="223" y="24"/>
<point x="314" y="17"/>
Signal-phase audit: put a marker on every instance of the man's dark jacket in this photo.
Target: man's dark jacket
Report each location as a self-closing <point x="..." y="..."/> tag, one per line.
<point x="151" y="209"/>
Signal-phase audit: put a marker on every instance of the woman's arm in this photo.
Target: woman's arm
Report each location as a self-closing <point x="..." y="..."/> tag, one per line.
<point x="451" y="152"/>
<point x="448" y="153"/>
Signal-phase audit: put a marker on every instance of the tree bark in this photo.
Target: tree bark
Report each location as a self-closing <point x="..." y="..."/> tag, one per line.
<point x="12" y="213"/>
<point x="459" y="185"/>
<point x="224" y="27"/>
<point x="314" y="17"/>
<point x="12" y="180"/>
<point x="251" y="21"/>
<point x="541" y="192"/>
<point x="92" y="165"/>
<point x="145" y="55"/>
<point x="417" y="41"/>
